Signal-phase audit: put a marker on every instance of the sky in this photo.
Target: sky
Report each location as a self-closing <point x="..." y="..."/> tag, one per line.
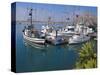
<point x="41" y="12"/>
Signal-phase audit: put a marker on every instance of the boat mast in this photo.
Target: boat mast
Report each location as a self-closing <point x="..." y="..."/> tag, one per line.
<point x="30" y="14"/>
<point x="49" y="21"/>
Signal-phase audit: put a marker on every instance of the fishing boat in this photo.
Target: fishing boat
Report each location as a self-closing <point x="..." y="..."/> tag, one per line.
<point x="31" y="37"/>
<point x="51" y="34"/>
<point x="31" y="34"/>
<point x="82" y="28"/>
<point x="75" y="39"/>
<point x="67" y="31"/>
<point x="81" y="36"/>
<point x="45" y="30"/>
<point x="55" y="38"/>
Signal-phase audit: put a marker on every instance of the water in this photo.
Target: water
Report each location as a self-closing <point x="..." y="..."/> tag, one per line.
<point x="40" y="58"/>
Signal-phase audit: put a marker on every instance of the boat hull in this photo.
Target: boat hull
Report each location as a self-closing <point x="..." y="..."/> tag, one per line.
<point x="55" y="40"/>
<point x="78" y="40"/>
<point x="34" y="40"/>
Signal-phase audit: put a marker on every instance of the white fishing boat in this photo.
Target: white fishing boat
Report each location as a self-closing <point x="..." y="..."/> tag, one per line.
<point x="81" y="34"/>
<point x="32" y="35"/>
<point x="27" y="35"/>
<point x="51" y="34"/>
<point x="78" y="39"/>
<point x="55" y="38"/>
<point x="45" y="30"/>
<point x="90" y="30"/>
<point x="67" y="31"/>
<point x="81" y="28"/>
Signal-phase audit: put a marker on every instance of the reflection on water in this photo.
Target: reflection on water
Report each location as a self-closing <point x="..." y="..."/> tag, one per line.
<point x="37" y="46"/>
<point x="40" y="47"/>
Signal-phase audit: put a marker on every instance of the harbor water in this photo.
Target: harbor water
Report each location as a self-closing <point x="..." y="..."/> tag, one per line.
<point x="34" y="57"/>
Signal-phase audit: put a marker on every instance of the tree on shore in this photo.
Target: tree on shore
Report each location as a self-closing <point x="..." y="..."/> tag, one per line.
<point x="87" y="56"/>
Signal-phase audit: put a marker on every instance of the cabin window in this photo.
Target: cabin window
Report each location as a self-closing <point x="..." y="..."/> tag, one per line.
<point x="72" y="29"/>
